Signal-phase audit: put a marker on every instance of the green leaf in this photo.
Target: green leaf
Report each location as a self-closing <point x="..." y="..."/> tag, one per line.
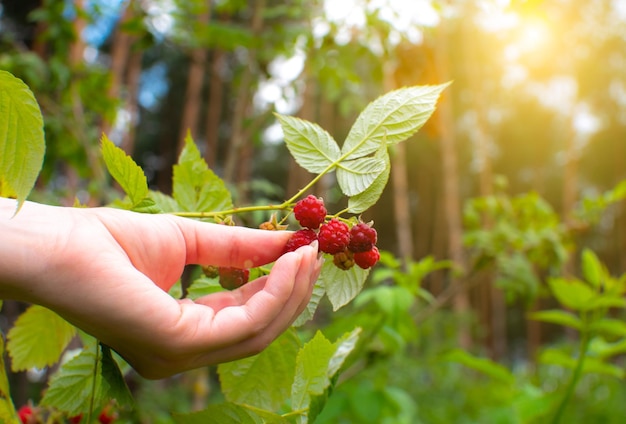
<point x="483" y="365"/>
<point x="592" y="268"/>
<point x="393" y="118"/>
<point x="342" y="286"/>
<point x="195" y="187"/>
<point x="125" y="171"/>
<point x="38" y="338"/>
<point x="310" y="145"/>
<point x="7" y="409"/>
<point x="558" y="317"/>
<point x="264" y="380"/>
<point x="229" y="413"/>
<point x="70" y="388"/>
<point x="203" y="286"/>
<point x="22" y="143"/>
<point x="609" y="327"/>
<point x="573" y="294"/>
<point x="361" y="202"/>
<point x="318" y="362"/>
<point x="113" y="383"/>
<point x="343" y="348"/>
<point x="356" y="176"/>
<point x="164" y="202"/>
<point x="311" y="307"/>
<point x="591" y="364"/>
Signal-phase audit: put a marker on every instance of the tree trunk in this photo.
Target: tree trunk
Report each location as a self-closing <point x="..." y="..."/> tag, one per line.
<point x="193" y="94"/>
<point x="400" y="184"/>
<point x="450" y="177"/>
<point x="132" y="105"/>
<point x="120" y="49"/>
<point x="243" y="99"/>
<point x="214" y="107"/>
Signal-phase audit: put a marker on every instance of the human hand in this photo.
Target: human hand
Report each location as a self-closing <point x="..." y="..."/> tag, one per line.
<point x="108" y="271"/>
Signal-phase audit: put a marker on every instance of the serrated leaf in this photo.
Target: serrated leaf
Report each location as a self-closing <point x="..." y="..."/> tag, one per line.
<point x="342" y="286"/>
<point x="484" y="365"/>
<point x="318" y="363"/>
<point x="164" y="202"/>
<point x="311" y="307"/>
<point x="125" y="171"/>
<point x="558" y="317"/>
<point x="311" y="376"/>
<point x="264" y="380"/>
<point x="194" y="186"/>
<point x="70" y="388"/>
<point x="309" y="144"/>
<point x="366" y="199"/>
<point x="356" y="176"/>
<point x="38" y="338"/>
<point x="393" y="118"/>
<point x="228" y="413"/>
<point x="22" y="143"/>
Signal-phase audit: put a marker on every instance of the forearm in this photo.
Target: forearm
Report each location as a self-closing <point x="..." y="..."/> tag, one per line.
<point x="25" y="249"/>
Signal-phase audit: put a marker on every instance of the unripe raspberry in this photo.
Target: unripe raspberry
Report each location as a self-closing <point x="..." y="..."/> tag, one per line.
<point x="300" y="238"/>
<point x="344" y="260"/>
<point x="210" y="271"/>
<point x="367" y="259"/>
<point x="362" y="237"/>
<point x="310" y="212"/>
<point x="232" y="278"/>
<point x="334" y="236"/>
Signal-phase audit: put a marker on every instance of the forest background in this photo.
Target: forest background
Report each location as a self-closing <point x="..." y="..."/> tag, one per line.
<point x="509" y="180"/>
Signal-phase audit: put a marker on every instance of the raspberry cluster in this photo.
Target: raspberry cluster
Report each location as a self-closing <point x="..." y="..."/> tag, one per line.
<point x="349" y="246"/>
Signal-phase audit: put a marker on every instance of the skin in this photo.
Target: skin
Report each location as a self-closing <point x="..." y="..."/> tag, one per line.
<point x="107" y="271"/>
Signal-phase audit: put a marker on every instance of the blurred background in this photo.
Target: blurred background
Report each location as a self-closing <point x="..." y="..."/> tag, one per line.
<point x="532" y="128"/>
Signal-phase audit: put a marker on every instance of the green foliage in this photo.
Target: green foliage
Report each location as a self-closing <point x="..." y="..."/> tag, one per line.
<point x="38" y="338"/>
<point x="87" y="382"/>
<point x="520" y="238"/>
<point x="195" y="186"/>
<point x="7" y="409"/>
<point x="22" y="143"/>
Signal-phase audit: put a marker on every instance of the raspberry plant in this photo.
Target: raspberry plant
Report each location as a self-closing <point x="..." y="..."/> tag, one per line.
<point x="257" y="389"/>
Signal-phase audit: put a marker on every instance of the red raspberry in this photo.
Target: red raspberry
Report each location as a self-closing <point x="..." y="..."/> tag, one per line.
<point x="344" y="260"/>
<point x="367" y="259"/>
<point x="310" y="212"/>
<point x="232" y="278"/>
<point x="362" y="238"/>
<point x="334" y="236"/>
<point x="300" y="238"/>
<point x="24" y="413"/>
<point x="75" y="419"/>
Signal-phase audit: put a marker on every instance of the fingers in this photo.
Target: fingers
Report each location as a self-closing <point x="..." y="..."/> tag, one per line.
<point x="223" y="245"/>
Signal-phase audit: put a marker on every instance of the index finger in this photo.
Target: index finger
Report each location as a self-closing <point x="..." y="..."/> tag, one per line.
<point x="223" y="245"/>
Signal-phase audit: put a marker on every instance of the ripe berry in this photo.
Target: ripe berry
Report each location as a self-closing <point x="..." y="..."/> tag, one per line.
<point x="232" y="278"/>
<point x="362" y="237"/>
<point x="344" y="260"/>
<point x="24" y="413"/>
<point x="367" y="259"/>
<point x="334" y="236"/>
<point x="106" y="417"/>
<point x="310" y="212"/>
<point x="300" y="238"/>
<point x="75" y="419"/>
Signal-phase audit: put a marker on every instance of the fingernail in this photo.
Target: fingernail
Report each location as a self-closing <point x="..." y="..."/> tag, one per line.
<point x="314" y="244"/>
